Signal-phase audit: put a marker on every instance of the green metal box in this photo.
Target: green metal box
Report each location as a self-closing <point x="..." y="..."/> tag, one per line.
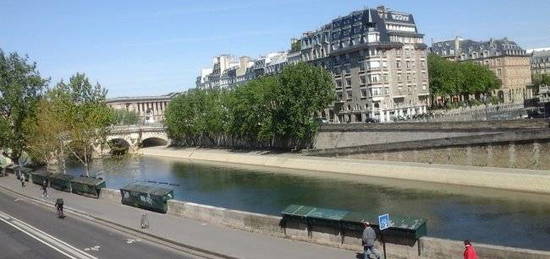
<point x="61" y="182"/>
<point x="87" y="186"/>
<point x="39" y="176"/>
<point x="147" y="196"/>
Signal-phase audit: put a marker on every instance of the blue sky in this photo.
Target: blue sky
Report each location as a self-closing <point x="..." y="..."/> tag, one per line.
<point x="155" y="47"/>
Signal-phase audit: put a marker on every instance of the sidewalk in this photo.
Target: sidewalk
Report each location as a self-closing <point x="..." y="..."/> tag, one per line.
<point x="215" y="238"/>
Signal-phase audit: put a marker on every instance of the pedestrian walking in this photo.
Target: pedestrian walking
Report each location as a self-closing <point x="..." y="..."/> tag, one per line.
<point x="469" y="251"/>
<point x="44" y="189"/>
<point x="22" y="178"/>
<point x="369" y="237"/>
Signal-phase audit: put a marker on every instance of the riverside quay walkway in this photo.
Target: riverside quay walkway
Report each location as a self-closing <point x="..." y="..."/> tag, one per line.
<point x="219" y="241"/>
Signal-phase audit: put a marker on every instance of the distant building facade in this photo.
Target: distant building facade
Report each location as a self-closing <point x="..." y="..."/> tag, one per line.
<point x="377" y="58"/>
<point x="228" y="71"/>
<point x="149" y="108"/>
<point x="505" y="58"/>
<point x="540" y="61"/>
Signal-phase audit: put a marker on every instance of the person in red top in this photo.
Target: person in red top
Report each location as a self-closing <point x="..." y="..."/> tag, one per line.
<point x="469" y="251"/>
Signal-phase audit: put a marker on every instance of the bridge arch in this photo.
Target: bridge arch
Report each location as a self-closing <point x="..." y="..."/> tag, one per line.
<point x="153" y="142"/>
<point x="118" y="146"/>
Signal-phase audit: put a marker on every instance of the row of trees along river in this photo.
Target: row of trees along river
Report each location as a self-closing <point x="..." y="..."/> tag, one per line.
<point x="277" y="111"/>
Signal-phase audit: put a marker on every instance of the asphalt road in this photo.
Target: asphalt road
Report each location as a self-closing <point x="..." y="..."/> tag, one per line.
<point x="19" y="220"/>
<point x="16" y="244"/>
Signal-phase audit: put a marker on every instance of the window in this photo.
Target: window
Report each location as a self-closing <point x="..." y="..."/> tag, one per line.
<point x="363" y="80"/>
<point x="387" y="90"/>
<point x="398" y="64"/>
<point x="348" y="82"/>
<point x="350" y="94"/>
<point x="340" y="96"/>
<point x="363" y="93"/>
<point x="374" y="78"/>
<point x="339" y="83"/>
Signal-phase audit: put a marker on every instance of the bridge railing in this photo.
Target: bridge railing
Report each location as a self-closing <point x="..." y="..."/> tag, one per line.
<point x="137" y="128"/>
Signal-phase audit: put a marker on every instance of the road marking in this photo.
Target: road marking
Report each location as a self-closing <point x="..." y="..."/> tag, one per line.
<point x="45" y="238"/>
<point x="93" y="248"/>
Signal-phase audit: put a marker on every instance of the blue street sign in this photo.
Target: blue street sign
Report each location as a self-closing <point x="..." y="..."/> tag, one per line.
<point x="384" y="221"/>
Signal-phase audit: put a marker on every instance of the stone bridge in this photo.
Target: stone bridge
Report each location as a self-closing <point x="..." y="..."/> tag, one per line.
<point x="131" y="138"/>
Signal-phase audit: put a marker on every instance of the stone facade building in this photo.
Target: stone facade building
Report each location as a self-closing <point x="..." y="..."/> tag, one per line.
<point x="377" y="58"/>
<point x="505" y="58"/>
<point x="149" y="108"/>
<point x="378" y="61"/>
<point x="540" y="61"/>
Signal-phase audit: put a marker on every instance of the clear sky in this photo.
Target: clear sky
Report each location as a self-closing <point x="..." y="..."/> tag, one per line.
<point x="156" y="47"/>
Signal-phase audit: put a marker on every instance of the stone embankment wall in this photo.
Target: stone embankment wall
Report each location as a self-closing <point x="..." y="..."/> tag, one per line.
<point x="507" y="144"/>
<point x="350" y="135"/>
<point x="425" y="247"/>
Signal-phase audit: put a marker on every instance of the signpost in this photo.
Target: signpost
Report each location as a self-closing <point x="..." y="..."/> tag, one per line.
<point x="384" y="222"/>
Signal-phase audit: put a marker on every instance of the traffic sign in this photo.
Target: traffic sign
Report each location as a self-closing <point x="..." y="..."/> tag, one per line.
<point x="384" y="221"/>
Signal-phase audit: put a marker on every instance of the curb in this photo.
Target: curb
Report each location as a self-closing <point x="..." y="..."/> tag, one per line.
<point x="196" y="251"/>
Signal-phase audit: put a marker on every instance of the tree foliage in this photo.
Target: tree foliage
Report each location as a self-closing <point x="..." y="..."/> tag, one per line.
<point x="540" y="80"/>
<point x="125" y="117"/>
<point x="261" y="113"/>
<point x="84" y="116"/>
<point x="449" y="78"/>
<point x="21" y="87"/>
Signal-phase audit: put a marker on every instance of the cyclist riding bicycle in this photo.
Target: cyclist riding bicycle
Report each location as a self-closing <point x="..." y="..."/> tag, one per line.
<point x="59" y="206"/>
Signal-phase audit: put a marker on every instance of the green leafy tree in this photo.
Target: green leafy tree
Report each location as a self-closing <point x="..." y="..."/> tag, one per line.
<point x="251" y="109"/>
<point x="449" y="78"/>
<point x="540" y="80"/>
<point x="272" y="109"/>
<point x="85" y="115"/>
<point x="46" y="132"/>
<point x="303" y="91"/>
<point x="21" y="87"/>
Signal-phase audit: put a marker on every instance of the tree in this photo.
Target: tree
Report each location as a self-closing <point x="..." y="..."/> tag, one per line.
<point x="539" y="80"/>
<point x="21" y="87"/>
<point x="46" y="133"/>
<point x="197" y="116"/>
<point x="125" y="117"/>
<point x="271" y="109"/>
<point x="303" y="91"/>
<point x="85" y="115"/>
<point x="250" y="110"/>
<point x="450" y="78"/>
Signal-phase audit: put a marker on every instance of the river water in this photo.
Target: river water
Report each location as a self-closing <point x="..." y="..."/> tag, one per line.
<point x="454" y="212"/>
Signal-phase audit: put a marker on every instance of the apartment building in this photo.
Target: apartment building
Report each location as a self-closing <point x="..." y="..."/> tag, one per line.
<point x="378" y="60"/>
<point x="509" y="61"/>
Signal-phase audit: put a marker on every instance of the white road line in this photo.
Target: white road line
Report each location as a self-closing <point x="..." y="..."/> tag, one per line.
<point x="43" y="237"/>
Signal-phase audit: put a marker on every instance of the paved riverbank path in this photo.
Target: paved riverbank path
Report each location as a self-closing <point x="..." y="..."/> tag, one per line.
<point x="195" y="234"/>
